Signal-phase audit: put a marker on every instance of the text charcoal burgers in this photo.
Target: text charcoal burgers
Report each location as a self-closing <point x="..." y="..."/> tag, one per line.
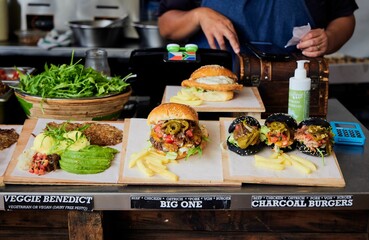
<point x="175" y="131"/>
<point x="213" y="83"/>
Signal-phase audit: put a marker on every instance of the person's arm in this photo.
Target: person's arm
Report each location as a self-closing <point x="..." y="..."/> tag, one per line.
<point x="319" y="42"/>
<point x="339" y="31"/>
<point x="179" y="25"/>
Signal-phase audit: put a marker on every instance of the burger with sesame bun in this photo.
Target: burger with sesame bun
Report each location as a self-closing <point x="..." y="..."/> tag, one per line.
<point x="175" y="131"/>
<point x="213" y="83"/>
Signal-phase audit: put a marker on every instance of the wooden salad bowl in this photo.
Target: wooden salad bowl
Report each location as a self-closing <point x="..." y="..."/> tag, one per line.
<point x="83" y="109"/>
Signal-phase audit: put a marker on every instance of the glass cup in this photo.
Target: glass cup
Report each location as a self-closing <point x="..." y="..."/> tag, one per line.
<point x="98" y="60"/>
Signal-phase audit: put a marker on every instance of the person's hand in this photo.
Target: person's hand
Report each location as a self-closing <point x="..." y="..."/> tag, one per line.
<point x="217" y="28"/>
<point x="314" y="43"/>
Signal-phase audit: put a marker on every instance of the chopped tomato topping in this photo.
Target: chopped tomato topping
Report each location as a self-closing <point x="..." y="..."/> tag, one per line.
<point x="40" y="164"/>
<point x="189" y="133"/>
<point x="168" y="138"/>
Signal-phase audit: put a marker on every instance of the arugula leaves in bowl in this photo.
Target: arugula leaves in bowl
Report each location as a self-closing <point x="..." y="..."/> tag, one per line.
<point x="71" y="81"/>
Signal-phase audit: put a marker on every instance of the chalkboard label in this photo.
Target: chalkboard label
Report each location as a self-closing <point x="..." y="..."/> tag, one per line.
<point x="156" y="202"/>
<point x="48" y="202"/>
<point x="302" y="201"/>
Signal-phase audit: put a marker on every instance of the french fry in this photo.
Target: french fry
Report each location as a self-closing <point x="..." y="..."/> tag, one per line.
<point x="186" y="96"/>
<point x="271" y="165"/>
<point x="280" y="161"/>
<point x="154" y="156"/>
<point x="155" y="166"/>
<point x="285" y="161"/>
<point x="177" y="99"/>
<point x="169" y="175"/>
<point x="156" y="159"/>
<point x="136" y="156"/>
<point x="151" y="163"/>
<point x="301" y="167"/>
<point x="305" y="162"/>
<point x="274" y="155"/>
<point x="143" y="168"/>
<point x="268" y="160"/>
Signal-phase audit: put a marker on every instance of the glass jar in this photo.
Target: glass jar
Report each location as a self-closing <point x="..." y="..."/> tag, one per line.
<point x="98" y="60"/>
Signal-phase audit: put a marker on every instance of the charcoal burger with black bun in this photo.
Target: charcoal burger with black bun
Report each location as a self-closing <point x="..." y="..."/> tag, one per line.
<point x="244" y="136"/>
<point x="175" y="131"/>
<point x="314" y="137"/>
<point x="278" y="132"/>
<point x="213" y="83"/>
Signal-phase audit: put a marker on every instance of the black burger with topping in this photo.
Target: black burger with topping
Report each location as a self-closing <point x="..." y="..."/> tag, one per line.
<point x="314" y="137"/>
<point x="278" y="132"/>
<point x="175" y="131"/>
<point x="244" y="138"/>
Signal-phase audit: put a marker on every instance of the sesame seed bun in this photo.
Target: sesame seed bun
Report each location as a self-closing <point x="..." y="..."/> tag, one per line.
<point x="168" y="111"/>
<point x="211" y="71"/>
<point x="218" y="82"/>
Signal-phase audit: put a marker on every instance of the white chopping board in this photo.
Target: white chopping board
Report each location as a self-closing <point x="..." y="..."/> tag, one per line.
<point x="205" y="169"/>
<point x="32" y="127"/>
<point x="243" y="169"/>
<point x="247" y="100"/>
<point x="6" y="154"/>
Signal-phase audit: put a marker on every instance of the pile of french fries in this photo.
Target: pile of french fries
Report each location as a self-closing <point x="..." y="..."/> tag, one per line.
<point x="281" y="161"/>
<point x="186" y="96"/>
<point x="152" y="163"/>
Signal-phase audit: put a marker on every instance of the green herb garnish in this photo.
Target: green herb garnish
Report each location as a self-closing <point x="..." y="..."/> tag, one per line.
<point x="71" y="81"/>
<point x="58" y="134"/>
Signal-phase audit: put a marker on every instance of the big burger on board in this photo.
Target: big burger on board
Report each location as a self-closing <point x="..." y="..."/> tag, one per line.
<point x="175" y="131"/>
<point x="213" y="83"/>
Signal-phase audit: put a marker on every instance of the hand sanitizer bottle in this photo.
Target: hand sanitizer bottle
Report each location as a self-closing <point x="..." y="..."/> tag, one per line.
<point x="299" y="93"/>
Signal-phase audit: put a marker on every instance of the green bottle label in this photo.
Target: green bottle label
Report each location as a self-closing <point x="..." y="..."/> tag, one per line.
<point x="298" y="104"/>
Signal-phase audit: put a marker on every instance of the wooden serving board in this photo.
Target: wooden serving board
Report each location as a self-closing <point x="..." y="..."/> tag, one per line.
<point x="6" y="154"/>
<point x="204" y="170"/>
<point x="32" y="127"/>
<point x="247" y="100"/>
<point x="243" y="169"/>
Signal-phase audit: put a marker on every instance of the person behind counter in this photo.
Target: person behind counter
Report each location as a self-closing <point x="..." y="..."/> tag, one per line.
<point x="228" y="24"/>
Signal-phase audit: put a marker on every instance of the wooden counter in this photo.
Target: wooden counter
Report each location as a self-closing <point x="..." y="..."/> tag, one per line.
<point x="244" y="218"/>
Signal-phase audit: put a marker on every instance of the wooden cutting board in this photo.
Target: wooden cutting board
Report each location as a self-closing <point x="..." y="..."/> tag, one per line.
<point x="197" y="170"/>
<point x="243" y="169"/>
<point x="247" y="100"/>
<point x="6" y="154"/>
<point x="31" y="128"/>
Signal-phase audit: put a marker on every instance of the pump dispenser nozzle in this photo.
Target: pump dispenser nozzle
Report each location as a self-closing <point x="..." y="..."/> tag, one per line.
<point x="300" y="71"/>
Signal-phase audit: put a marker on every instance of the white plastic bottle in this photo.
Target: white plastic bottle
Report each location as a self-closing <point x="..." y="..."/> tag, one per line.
<point x="299" y="93"/>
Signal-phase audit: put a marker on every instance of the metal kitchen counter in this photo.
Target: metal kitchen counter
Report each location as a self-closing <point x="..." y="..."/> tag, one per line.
<point x="339" y="73"/>
<point x="14" y="49"/>
<point x="354" y="163"/>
